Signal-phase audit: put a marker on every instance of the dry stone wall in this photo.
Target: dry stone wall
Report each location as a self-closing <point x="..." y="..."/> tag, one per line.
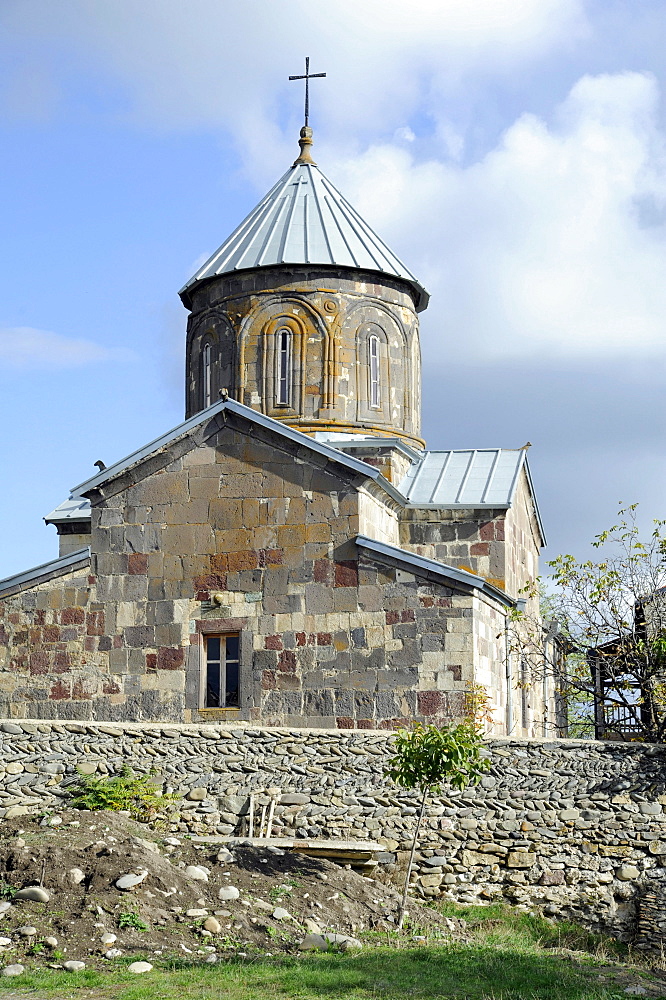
<point x="573" y="828"/>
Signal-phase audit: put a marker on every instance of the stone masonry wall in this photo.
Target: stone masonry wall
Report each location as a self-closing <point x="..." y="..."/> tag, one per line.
<point x="571" y="828"/>
<point x="51" y="654"/>
<point x="237" y="532"/>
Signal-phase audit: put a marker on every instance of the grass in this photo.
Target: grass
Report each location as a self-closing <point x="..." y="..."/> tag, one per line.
<point x="510" y="956"/>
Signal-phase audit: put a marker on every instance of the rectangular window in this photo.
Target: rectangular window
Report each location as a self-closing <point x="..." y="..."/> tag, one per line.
<point x="222" y="673"/>
<point x="373" y="347"/>
<point x="283" y="367"/>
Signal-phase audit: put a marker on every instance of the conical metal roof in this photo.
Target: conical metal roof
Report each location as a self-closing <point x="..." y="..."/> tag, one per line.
<point x="304" y="220"/>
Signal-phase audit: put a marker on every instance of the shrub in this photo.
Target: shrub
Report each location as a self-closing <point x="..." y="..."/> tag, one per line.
<point x="126" y="791"/>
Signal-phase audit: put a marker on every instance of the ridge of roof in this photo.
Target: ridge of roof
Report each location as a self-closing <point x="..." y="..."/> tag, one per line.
<point x="304" y="219"/>
<point x="332" y="454"/>
<point x="49" y="569"/>
<point x="434" y="566"/>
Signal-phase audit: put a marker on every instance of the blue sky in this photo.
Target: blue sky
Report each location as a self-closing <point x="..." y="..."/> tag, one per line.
<point x="512" y="154"/>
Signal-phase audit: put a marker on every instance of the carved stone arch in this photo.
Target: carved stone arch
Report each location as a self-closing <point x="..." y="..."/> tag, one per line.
<point x="211" y="354"/>
<point x="371" y="335"/>
<point x="368" y="318"/>
<point x="257" y="354"/>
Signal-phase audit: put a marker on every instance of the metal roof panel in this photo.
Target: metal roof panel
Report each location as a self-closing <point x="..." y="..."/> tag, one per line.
<point x="74" y="509"/>
<point x="482" y="477"/>
<point x="304" y="220"/>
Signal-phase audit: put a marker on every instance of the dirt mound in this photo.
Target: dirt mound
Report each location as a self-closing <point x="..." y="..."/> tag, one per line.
<point x="116" y="887"/>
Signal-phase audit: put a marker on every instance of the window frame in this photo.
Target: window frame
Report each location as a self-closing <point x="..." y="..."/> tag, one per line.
<point x="374" y="372"/>
<point x="283" y="366"/>
<point x="223" y="661"/>
<point x="206" y="375"/>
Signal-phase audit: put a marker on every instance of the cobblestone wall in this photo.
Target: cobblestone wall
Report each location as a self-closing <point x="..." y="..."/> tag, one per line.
<point x="574" y="829"/>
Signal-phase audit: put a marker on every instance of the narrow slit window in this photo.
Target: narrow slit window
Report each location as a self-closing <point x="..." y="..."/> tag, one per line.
<point x="373" y="351"/>
<point x="222" y="665"/>
<point x="283" y="367"/>
<point x="206" y="376"/>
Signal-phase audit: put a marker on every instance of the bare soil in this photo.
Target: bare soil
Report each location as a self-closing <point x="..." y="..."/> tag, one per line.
<point x="152" y="918"/>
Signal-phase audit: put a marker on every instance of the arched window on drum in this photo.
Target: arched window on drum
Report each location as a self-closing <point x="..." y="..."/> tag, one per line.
<point x="206" y="376"/>
<point x="374" y="394"/>
<point x="283" y="366"/>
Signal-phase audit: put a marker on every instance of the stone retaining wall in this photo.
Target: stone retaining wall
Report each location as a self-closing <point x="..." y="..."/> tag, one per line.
<point x="574" y="828"/>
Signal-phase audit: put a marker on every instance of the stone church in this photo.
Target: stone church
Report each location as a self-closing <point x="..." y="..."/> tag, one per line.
<point x="290" y="554"/>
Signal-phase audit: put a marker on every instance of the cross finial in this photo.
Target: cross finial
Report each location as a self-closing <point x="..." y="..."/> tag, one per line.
<point x="307" y="77"/>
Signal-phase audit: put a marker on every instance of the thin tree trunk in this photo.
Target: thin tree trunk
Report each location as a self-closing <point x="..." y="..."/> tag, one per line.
<point x="403" y="904"/>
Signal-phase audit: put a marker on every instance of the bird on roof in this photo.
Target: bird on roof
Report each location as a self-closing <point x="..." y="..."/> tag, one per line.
<point x="100" y="465"/>
<point x="527" y="445"/>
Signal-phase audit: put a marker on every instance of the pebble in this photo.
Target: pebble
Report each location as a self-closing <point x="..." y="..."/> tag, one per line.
<point x="13" y="970"/>
<point x="197" y="794"/>
<point x="34" y="893"/>
<point x="196" y="912"/>
<point x="172" y="841"/>
<point x="228" y="892"/>
<point x="52" y="942"/>
<point x="279" y="913"/>
<point x="76" y="875"/>
<point x="127" y="882"/>
<point x="108" y="938"/>
<point x="139" y="967"/>
<point x="27" y="930"/>
<point x="4" y="942"/>
<point x="197" y="872"/>
<point x="73" y="966"/>
<point x="5" y="906"/>
<point x="113" y="953"/>
<point x="213" y="925"/>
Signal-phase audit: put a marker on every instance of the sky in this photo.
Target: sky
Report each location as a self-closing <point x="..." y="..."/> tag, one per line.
<point x="513" y="154"/>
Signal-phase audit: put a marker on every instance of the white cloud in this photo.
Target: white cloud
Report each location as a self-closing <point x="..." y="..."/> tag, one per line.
<point x="553" y="244"/>
<point x="23" y="348"/>
<point x="224" y="64"/>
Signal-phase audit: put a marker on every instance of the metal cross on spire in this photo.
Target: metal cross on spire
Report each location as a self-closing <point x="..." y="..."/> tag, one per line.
<point x="307" y="77"/>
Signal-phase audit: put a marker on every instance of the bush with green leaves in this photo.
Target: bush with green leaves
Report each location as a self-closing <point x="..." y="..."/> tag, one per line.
<point x="426" y="757"/>
<point x="136" y="794"/>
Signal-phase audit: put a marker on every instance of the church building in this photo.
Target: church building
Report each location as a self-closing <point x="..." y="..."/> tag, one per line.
<point x="291" y="554"/>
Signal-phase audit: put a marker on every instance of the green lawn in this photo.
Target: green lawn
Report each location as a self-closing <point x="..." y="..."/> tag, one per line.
<point x="509" y="957"/>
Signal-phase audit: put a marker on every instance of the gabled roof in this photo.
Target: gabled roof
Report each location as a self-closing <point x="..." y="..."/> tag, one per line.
<point x="56" y="567"/>
<point x="432" y="566"/>
<point x="230" y="405"/>
<point x="465" y="478"/>
<point x="304" y="220"/>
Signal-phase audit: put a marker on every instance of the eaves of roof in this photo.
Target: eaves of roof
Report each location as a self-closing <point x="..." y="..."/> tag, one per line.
<point x="261" y="420"/>
<point x="413" y="561"/>
<point x="56" y="567"/>
<point x="357" y="442"/>
<point x="73" y="509"/>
